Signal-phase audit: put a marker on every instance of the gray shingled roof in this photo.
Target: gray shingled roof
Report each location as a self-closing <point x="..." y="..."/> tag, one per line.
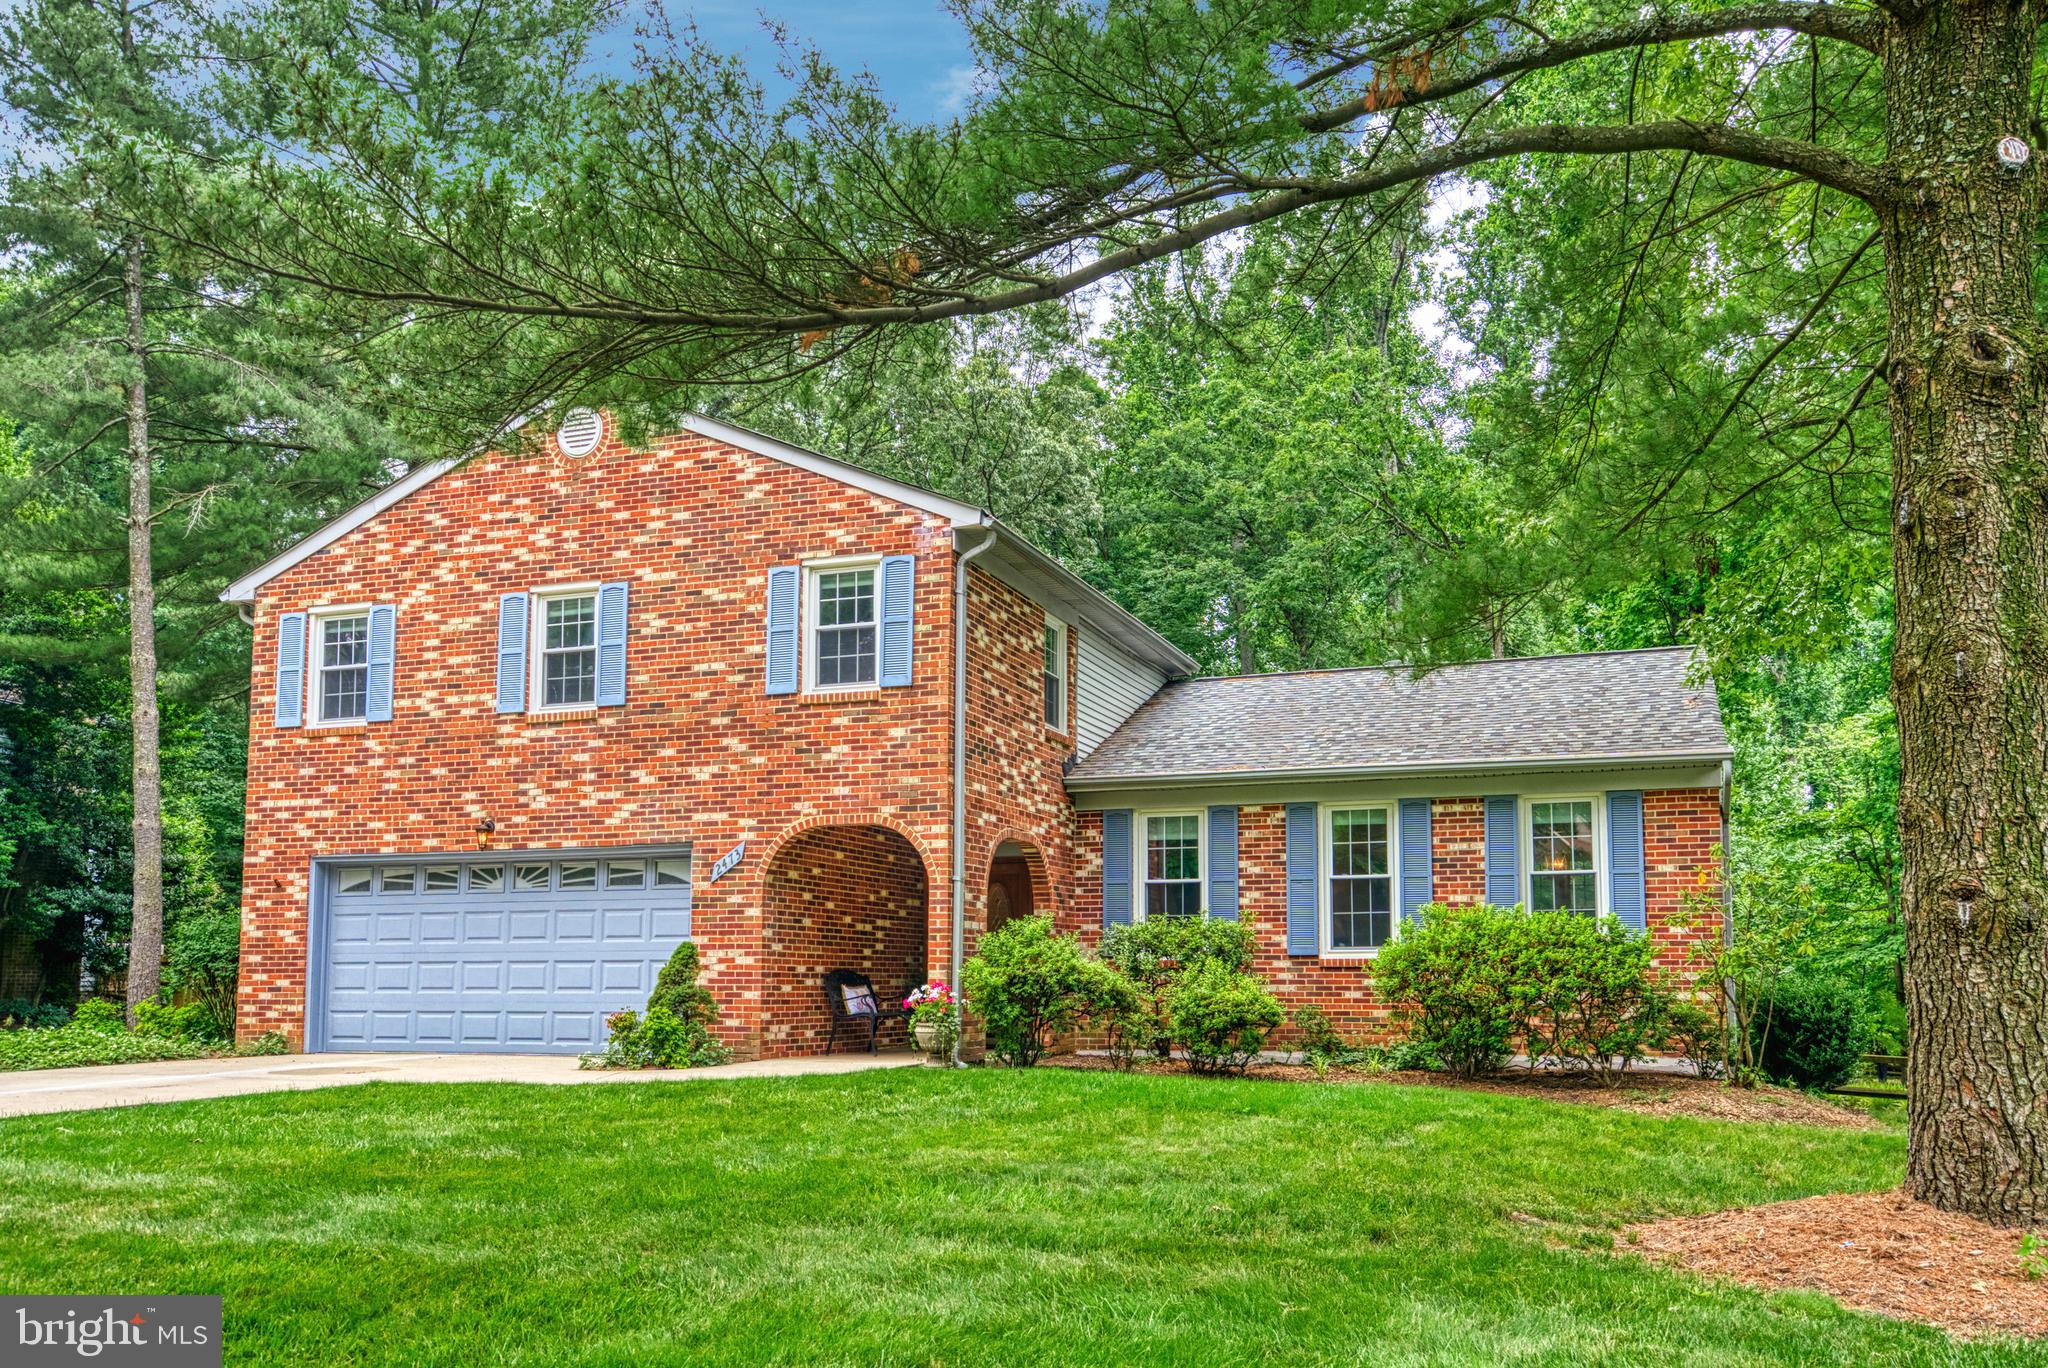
<point x="1612" y="705"/>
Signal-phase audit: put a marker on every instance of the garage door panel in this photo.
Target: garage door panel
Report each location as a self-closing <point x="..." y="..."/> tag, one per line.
<point x="497" y="958"/>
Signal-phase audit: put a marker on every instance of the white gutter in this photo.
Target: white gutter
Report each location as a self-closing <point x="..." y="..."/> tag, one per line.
<point x="959" y="837"/>
<point x="1610" y="760"/>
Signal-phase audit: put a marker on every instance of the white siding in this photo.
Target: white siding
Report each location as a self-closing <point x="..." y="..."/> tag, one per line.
<point x="1109" y="686"/>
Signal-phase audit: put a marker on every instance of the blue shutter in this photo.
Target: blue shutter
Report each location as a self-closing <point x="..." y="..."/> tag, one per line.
<point x="383" y="648"/>
<point x="783" y="607"/>
<point x="291" y="669"/>
<point x="1503" y="867"/>
<point x="899" y="581"/>
<point x="1417" y="879"/>
<point x="611" y="644"/>
<point x="1625" y="857"/>
<point x="1301" y="879"/>
<point x="1223" y="863"/>
<point x="512" y="622"/>
<point x="1116" y="867"/>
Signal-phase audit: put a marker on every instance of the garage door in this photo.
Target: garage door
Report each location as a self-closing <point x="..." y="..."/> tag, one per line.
<point x="468" y="953"/>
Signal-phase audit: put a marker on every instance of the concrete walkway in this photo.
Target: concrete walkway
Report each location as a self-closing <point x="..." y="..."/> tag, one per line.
<point x="182" y="1080"/>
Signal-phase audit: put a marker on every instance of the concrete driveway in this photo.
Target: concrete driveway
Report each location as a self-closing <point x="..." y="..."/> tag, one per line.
<point x="182" y="1080"/>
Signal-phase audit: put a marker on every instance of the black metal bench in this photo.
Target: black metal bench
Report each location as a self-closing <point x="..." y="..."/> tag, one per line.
<point x="852" y="999"/>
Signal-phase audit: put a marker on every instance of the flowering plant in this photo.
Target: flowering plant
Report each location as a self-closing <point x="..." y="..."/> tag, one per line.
<point x="934" y="1017"/>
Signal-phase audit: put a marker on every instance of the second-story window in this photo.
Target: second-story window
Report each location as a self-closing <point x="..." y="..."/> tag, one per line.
<point x="842" y="609"/>
<point x="343" y="688"/>
<point x="568" y="650"/>
<point x="1055" y="675"/>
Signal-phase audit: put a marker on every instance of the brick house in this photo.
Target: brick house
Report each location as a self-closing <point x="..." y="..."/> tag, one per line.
<point x="520" y="724"/>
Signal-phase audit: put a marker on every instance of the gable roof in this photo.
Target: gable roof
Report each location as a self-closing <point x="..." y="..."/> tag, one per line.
<point x="1633" y="707"/>
<point x="1011" y="556"/>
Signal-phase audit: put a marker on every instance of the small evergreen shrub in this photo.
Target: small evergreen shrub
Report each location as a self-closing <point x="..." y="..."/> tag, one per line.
<point x="1320" y="1043"/>
<point x="1222" y="1017"/>
<point x="1154" y="953"/>
<point x="1028" y="983"/>
<point x="1814" y="1035"/>
<point x="675" y="1031"/>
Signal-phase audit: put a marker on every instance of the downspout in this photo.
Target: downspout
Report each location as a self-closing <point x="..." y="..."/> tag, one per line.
<point x="959" y="836"/>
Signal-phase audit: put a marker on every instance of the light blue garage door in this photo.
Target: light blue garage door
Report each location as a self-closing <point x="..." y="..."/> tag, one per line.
<point x="468" y="953"/>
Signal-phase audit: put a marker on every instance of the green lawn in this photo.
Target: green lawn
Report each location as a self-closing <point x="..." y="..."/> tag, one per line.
<point x="914" y="1217"/>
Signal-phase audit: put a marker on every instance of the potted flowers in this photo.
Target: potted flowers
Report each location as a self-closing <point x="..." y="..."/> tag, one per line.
<point x="934" y="1021"/>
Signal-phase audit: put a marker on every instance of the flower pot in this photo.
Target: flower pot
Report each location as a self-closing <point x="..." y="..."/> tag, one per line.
<point x="929" y="1039"/>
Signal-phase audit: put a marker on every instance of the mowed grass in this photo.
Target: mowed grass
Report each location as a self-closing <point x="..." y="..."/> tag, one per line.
<point x="918" y="1217"/>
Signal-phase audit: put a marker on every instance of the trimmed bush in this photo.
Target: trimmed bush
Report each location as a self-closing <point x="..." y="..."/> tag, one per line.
<point x="1815" y="1033"/>
<point x="1153" y="954"/>
<point x="1222" y="1017"/>
<point x="1593" y="1004"/>
<point x="1455" y="980"/>
<point x="1029" y="983"/>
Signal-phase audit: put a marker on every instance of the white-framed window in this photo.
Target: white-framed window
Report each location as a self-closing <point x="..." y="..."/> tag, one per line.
<point x="1564" y="850"/>
<point x="842" y="621"/>
<point x="1358" y="878"/>
<point x="1054" y="671"/>
<point x="565" y="638"/>
<point x="338" y="685"/>
<point x="1171" y="849"/>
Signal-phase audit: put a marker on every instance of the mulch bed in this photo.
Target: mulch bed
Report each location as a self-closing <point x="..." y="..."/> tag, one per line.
<point x="1658" y="1094"/>
<point x="1875" y="1251"/>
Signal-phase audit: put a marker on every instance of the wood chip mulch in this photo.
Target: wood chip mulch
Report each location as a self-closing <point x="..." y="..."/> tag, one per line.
<point x="1875" y="1251"/>
<point x="1658" y="1094"/>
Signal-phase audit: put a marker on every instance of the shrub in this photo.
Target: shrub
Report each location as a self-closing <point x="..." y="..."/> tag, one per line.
<point x="675" y="1032"/>
<point x="1109" y="1000"/>
<point x="100" y="1014"/>
<point x="20" y="1013"/>
<point x="1222" y="1017"/>
<point x="1454" y="976"/>
<point x="202" y="952"/>
<point x="1153" y="954"/>
<point x="1028" y="983"/>
<point x="195" y="1021"/>
<point x="1694" y="1030"/>
<point x="1592" y="1004"/>
<point x="1320" y="1042"/>
<point x="269" y="1043"/>
<point x="1815" y="1033"/>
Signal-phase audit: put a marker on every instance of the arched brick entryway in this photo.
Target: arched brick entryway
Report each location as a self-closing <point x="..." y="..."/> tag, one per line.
<point x="1017" y="883"/>
<point x="838" y="897"/>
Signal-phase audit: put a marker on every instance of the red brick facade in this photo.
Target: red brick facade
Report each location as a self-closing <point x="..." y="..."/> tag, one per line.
<point x="842" y="800"/>
<point x="1682" y="837"/>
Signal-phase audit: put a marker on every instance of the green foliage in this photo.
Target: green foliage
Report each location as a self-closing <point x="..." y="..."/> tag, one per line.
<point x="19" y="1013"/>
<point x="1222" y="1017"/>
<point x="675" y="1031"/>
<point x="99" y="1014"/>
<point x="1321" y="1045"/>
<point x="194" y="1021"/>
<point x="2033" y="1256"/>
<point x="87" y="1042"/>
<point x="1455" y="978"/>
<point x="269" y="1043"/>
<point x="1816" y="1034"/>
<point x="1470" y="981"/>
<point x="1028" y="983"/>
<point x="1152" y="955"/>
<point x="1592" y="1002"/>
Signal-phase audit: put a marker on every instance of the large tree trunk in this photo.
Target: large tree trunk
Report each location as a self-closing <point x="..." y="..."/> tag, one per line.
<point x="1970" y="552"/>
<point x="146" y="936"/>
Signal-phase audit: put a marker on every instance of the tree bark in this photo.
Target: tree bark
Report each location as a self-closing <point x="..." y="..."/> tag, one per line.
<point x="1968" y="382"/>
<point x="146" y="922"/>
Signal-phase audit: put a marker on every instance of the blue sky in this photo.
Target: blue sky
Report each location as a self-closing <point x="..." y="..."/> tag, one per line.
<point x="914" y="48"/>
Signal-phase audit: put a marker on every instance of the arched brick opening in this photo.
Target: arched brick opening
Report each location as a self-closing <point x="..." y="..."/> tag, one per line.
<point x="838" y="897"/>
<point x="1017" y="884"/>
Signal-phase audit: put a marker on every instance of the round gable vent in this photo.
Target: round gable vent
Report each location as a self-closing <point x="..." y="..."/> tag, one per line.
<point x="579" y="433"/>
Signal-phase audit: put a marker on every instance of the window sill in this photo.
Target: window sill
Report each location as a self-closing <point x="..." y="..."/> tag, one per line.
<point x="866" y="693"/>
<point x="339" y="724"/>
<point x="1054" y="734"/>
<point x="1348" y="956"/>
<point x="550" y="716"/>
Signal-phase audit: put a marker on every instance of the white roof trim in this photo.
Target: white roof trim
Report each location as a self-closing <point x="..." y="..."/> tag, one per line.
<point x="244" y="589"/>
<point x="747" y="440"/>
